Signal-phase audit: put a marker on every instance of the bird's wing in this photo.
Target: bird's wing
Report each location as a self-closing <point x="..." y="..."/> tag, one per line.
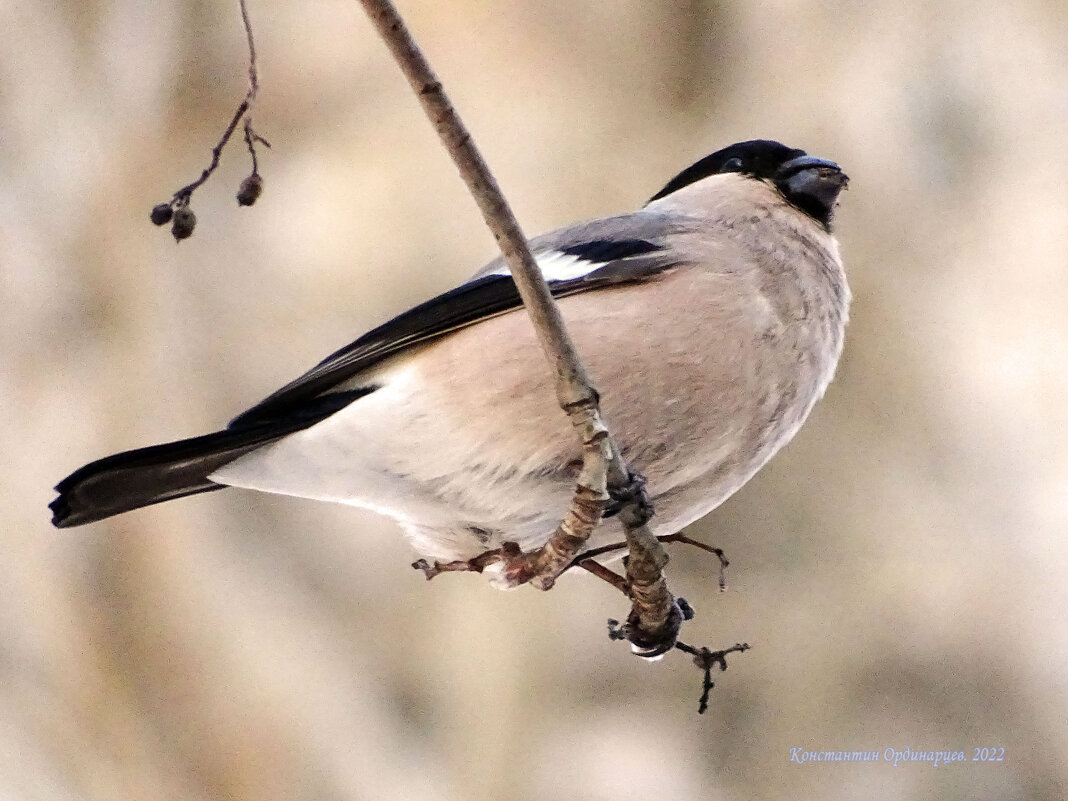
<point x="587" y="256"/>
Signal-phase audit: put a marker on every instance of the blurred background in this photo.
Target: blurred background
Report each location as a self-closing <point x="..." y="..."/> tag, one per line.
<point x="899" y="568"/>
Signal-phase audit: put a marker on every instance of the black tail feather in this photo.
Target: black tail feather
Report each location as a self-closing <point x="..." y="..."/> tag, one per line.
<point x="142" y="477"/>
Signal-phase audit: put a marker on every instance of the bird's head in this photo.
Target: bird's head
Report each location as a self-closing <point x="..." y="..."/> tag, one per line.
<point x="811" y="184"/>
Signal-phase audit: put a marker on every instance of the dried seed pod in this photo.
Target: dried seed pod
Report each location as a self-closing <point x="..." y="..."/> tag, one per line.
<point x="250" y="190"/>
<point x="161" y="214"/>
<point x="184" y="223"/>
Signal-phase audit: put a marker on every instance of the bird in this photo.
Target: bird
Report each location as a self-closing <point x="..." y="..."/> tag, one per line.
<point x="711" y="320"/>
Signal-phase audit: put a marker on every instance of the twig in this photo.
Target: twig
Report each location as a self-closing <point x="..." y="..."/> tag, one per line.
<point x="664" y="539"/>
<point x="602" y="467"/>
<point x="178" y="207"/>
<point x="181" y="197"/>
<point x="251" y="137"/>
<point x="603" y="573"/>
<point x="706" y="660"/>
<point x="723" y="563"/>
<point x="253" y="76"/>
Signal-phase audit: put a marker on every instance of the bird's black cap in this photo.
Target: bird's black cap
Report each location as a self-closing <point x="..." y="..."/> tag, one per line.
<point x="760" y="158"/>
<point x="773" y="161"/>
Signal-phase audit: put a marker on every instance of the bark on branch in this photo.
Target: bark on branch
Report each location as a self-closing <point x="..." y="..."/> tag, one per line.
<point x="654" y="621"/>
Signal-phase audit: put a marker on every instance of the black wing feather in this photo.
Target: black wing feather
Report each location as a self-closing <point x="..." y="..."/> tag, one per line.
<point x="467" y="304"/>
<point x="621" y="260"/>
<point x="608" y="250"/>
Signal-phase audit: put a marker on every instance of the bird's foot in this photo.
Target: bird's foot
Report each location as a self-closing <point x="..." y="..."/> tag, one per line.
<point x="506" y="552"/>
<point x="633" y="497"/>
<point x="541" y="567"/>
<point x="510" y="566"/>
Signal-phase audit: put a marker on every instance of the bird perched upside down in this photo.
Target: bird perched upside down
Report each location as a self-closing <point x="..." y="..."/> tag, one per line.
<point x="711" y="321"/>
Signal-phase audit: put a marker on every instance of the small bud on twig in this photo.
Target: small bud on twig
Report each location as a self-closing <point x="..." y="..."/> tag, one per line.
<point x="250" y="190"/>
<point x="251" y="187"/>
<point x="161" y="214"/>
<point x="184" y="223"/>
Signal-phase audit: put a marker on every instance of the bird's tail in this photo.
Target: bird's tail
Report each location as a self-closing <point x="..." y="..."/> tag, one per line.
<point x="133" y="479"/>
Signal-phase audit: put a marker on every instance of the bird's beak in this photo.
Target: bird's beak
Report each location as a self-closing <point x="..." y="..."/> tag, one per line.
<point x="813" y="177"/>
<point x="807" y="162"/>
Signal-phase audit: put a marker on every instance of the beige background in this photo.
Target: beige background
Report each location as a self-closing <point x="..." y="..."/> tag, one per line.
<point x="900" y="568"/>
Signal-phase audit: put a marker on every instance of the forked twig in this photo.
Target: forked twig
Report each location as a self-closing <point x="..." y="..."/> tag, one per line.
<point x="706" y="660"/>
<point x="177" y="208"/>
<point x="664" y="540"/>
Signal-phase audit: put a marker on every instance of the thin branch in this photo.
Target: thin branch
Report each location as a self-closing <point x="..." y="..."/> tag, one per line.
<point x="248" y="194"/>
<point x="181" y="197"/>
<point x="664" y="539"/>
<point x="602" y="467"/>
<point x="603" y="573"/>
<point x="251" y="138"/>
<point x="253" y="185"/>
<point x="706" y="659"/>
<point x="253" y="75"/>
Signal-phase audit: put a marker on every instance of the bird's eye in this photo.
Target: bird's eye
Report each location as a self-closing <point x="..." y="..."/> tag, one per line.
<point x="732" y="165"/>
